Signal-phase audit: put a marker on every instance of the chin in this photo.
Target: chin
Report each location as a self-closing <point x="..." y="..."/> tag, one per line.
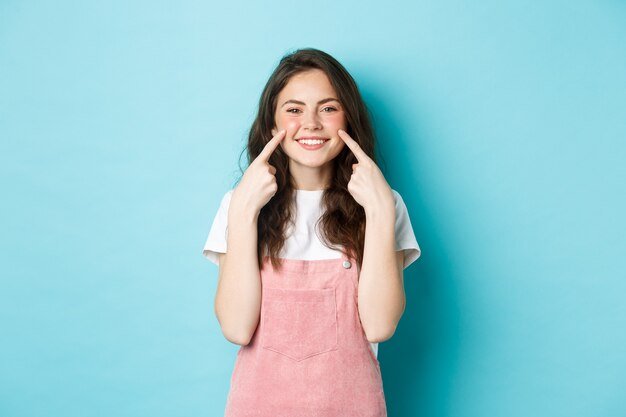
<point x="311" y="164"/>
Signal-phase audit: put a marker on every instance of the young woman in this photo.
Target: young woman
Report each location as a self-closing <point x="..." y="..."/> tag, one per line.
<point x="311" y="245"/>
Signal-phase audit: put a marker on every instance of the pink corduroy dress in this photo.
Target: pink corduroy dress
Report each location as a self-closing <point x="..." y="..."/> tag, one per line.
<point x="309" y="356"/>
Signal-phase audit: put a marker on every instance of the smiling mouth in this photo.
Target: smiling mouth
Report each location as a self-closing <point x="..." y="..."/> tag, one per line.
<point x="312" y="141"/>
<point x="312" y="144"/>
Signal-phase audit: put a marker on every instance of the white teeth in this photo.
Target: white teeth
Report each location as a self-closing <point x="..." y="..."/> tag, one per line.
<point x="311" y="142"/>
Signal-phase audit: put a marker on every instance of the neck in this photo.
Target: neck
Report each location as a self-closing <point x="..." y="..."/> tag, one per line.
<point x="310" y="178"/>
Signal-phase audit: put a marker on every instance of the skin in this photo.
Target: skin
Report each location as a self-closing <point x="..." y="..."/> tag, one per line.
<point x="381" y="297"/>
<point x="311" y="170"/>
<point x="381" y="284"/>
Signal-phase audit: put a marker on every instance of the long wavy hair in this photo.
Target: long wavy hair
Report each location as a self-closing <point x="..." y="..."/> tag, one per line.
<point x="342" y="224"/>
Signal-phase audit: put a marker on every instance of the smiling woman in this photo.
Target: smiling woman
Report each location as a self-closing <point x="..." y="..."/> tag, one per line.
<point x="311" y="124"/>
<point x="306" y="286"/>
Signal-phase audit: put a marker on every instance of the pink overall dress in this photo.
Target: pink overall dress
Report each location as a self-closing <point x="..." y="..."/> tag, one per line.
<point x="309" y="356"/>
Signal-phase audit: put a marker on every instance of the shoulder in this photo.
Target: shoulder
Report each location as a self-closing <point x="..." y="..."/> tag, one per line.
<point x="399" y="201"/>
<point x="402" y="212"/>
<point x="222" y="211"/>
<point x="405" y="237"/>
<point x="403" y="222"/>
<point x="226" y="198"/>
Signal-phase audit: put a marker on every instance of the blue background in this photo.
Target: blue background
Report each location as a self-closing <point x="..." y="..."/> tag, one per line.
<point x="502" y="124"/>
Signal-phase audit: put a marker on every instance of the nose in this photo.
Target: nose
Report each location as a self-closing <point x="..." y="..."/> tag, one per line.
<point x="311" y="121"/>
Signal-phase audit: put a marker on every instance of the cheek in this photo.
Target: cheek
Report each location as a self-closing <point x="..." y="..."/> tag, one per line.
<point x="291" y="124"/>
<point x="336" y="120"/>
<point x="339" y="148"/>
<point x="287" y="122"/>
<point x="292" y="127"/>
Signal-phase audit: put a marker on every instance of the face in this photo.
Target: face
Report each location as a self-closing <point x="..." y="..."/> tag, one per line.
<point x="308" y="106"/>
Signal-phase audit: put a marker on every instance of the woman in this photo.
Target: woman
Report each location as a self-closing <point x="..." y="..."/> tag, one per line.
<point x="317" y="240"/>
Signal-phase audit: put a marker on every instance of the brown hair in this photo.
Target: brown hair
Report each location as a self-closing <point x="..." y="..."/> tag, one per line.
<point x="343" y="219"/>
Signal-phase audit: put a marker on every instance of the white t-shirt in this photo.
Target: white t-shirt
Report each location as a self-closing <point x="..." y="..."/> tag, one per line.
<point x="304" y="243"/>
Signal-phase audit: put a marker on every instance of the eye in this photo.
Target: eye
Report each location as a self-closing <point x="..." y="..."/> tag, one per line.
<point x="332" y="108"/>
<point x="290" y="110"/>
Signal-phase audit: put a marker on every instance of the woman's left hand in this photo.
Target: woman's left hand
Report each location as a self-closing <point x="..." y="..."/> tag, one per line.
<point x="367" y="184"/>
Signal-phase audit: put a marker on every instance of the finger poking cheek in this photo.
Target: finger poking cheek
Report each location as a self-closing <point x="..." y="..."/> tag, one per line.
<point x="292" y="128"/>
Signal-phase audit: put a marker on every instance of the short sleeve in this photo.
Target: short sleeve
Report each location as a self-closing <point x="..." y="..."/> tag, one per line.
<point x="216" y="241"/>
<point x="405" y="237"/>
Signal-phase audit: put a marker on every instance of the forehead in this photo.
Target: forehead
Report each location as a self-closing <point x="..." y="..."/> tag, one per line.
<point x="311" y="83"/>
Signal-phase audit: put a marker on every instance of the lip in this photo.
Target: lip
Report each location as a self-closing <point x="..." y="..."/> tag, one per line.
<point x="312" y="147"/>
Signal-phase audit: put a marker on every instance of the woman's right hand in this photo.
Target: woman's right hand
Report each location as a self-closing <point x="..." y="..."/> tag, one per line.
<point x="258" y="184"/>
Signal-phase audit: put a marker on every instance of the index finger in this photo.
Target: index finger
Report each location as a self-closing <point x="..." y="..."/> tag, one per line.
<point x="271" y="146"/>
<point x="361" y="156"/>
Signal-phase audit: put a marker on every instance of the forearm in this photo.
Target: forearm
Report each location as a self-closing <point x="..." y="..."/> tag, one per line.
<point x="381" y="298"/>
<point x="238" y="295"/>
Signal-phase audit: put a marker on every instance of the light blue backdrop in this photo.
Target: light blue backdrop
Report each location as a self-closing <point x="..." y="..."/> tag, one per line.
<point x="502" y="124"/>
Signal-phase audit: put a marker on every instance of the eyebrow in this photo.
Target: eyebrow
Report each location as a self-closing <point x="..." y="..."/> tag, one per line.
<point x="325" y="100"/>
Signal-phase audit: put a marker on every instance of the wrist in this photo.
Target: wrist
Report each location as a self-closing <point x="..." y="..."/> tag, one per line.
<point x="381" y="211"/>
<point x="242" y="214"/>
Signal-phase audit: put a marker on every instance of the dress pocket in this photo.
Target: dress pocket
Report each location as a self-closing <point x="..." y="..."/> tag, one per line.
<point x="299" y="323"/>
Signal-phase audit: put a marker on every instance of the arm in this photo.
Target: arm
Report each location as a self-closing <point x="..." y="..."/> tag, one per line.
<point x="381" y="298"/>
<point x="238" y="295"/>
<point x="381" y="288"/>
